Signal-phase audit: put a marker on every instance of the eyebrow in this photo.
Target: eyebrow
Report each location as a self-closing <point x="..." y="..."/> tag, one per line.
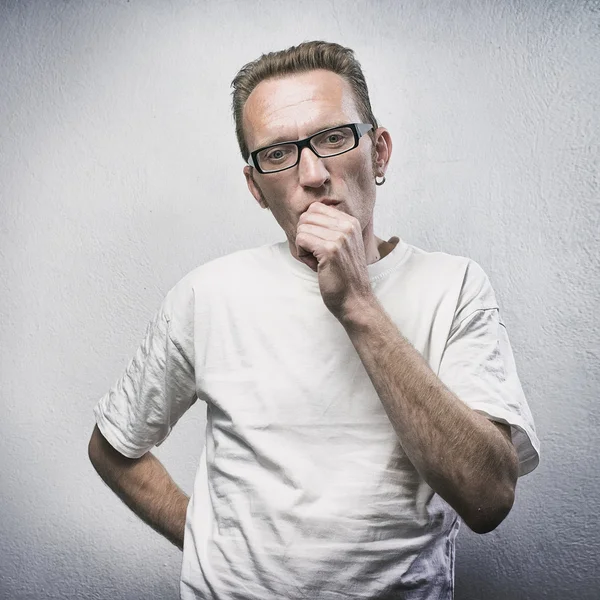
<point x="283" y="138"/>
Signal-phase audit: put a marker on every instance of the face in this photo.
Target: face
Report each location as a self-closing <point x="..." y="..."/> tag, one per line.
<point x="294" y="108"/>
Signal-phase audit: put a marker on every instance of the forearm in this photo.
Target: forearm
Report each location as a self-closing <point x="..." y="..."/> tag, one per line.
<point x="145" y="487"/>
<point x="457" y="451"/>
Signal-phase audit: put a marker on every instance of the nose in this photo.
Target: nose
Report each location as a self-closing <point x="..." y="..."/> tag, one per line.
<point x="311" y="169"/>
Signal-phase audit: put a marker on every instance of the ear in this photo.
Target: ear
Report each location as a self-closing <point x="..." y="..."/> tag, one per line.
<point x="383" y="150"/>
<point x="254" y="189"/>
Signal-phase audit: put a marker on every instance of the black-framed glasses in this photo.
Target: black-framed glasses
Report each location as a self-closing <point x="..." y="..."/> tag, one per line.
<point x="326" y="143"/>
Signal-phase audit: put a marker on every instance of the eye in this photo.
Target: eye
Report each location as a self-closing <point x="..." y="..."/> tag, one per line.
<point x="276" y="154"/>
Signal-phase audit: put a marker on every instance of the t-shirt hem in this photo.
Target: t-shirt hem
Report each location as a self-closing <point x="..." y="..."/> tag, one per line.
<point x="108" y="432"/>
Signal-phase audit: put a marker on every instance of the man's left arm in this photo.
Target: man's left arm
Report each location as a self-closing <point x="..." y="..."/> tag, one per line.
<point x="467" y="459"/>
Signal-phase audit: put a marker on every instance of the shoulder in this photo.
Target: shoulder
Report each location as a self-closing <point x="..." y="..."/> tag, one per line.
<point x="461" y="270"/>
<point x="462" y="278"/>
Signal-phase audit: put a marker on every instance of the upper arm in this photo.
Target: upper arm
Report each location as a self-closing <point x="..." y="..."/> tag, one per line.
<point x="99" y="448"/>
<point x="504" y="430"/>
<point x="514" y="458"/>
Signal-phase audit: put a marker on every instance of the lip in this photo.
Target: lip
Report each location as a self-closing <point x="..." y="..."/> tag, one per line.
<point x="327" y="202"/>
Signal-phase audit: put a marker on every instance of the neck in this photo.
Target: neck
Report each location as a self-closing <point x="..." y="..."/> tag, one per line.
<point x="376" y="251"/>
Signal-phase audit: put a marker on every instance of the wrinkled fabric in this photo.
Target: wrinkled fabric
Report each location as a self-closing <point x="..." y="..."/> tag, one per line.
<point x="303" y="489"/>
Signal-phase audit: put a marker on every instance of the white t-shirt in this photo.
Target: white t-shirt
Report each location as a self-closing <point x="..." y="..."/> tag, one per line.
<point x="303" y="490"/>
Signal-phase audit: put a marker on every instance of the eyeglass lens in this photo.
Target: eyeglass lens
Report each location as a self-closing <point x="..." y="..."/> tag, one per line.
<point x="328" y="143"/>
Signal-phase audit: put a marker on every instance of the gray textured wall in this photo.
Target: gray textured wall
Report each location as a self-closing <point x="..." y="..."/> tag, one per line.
<point x="119" y="173"/>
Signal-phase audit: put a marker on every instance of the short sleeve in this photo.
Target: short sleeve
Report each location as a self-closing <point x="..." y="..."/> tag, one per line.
<point x="155" y="390"/>
<point x="479" y="367"/>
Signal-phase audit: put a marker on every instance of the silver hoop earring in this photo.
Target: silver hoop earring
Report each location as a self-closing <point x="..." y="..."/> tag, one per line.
<point x="380" y="182"/>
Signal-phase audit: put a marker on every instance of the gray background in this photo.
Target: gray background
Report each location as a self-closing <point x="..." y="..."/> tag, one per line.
<point x="119" y="173"/>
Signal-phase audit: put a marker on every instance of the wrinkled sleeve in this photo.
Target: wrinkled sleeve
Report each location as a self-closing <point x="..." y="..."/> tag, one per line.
<point x="155" y="390"/>
<point x="479" y="367"/>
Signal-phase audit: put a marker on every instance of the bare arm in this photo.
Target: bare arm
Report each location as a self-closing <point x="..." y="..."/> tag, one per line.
<point x="468" y="460"/>
<point x="144" y="485"/>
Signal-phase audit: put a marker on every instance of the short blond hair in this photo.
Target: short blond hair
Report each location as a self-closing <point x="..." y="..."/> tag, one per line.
<point x="307" y="56"/>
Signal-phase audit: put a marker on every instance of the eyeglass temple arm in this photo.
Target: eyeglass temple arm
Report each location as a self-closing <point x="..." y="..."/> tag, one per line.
<point x="363" y="127"/>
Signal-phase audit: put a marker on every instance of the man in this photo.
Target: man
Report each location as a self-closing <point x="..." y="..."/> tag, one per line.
<point x="362" y="396"/>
